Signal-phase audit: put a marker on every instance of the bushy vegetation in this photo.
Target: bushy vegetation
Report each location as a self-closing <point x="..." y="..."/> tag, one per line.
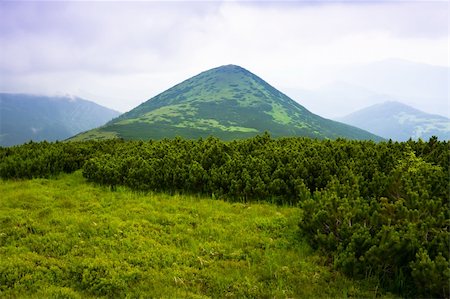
<point x="43" y="159"/>
<point x="402" y="236"/>
<point x="376" y="209"/>
<point x="65" y="238"/>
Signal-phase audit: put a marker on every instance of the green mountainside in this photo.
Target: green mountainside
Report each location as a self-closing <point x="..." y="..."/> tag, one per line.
<point x="228" y="102"/>
<point x="399" y="122"/>
<point x="25" y="117"/>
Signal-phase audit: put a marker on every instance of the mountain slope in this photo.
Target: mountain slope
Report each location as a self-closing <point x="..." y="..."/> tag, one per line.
<point x="25" y="117"/>
<point x="228" y="102"/>
<point x="400" y="122"/>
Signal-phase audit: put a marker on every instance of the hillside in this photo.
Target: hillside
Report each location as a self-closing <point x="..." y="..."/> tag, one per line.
<point x="399" y="122"/>
<point x="228" y="102"/>
<point x="25" y="117"/>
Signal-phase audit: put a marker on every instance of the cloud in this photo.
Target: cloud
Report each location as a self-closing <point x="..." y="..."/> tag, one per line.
<point x="97" y="36"/>
<point x="122" y="53"/>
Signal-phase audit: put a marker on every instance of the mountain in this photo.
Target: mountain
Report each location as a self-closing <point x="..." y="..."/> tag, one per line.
<point x="228" y="102"/>
<point x="422" y="85"/>
<point x="336" y="91"/>
<point x="399" y="122"/>
<point x="25" y="117"/>
<point x="337" y="98"/>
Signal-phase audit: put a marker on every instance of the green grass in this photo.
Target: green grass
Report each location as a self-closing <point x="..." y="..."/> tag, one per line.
<point x="211" y="124"/>
<point x="279" y="114"/>
<point x="65" y="238"/>
<point x="95" y="134"/>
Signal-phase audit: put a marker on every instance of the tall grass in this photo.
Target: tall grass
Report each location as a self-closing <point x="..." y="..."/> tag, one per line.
<point x="65" y="238"/>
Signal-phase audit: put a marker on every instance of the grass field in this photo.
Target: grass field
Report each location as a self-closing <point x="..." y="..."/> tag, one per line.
<point x="65" y="238"/>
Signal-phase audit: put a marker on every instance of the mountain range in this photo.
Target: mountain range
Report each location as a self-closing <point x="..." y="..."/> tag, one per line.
<point x="25" y="117"/>
<point x="397" y="121"/>
<point x="228" y="102"/>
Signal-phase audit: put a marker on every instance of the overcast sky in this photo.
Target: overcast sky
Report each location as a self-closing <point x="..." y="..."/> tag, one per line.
<point x="120" y="54"/>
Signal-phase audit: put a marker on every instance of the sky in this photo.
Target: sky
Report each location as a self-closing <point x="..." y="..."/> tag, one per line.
<point x="120" y="54"/>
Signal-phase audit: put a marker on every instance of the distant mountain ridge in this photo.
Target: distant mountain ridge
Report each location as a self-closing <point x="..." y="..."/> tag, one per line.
<point x="353" y="87"/>
<point x="25" y="117"/>
<point x="228" y="102"/>
<point x="399" y="122"/>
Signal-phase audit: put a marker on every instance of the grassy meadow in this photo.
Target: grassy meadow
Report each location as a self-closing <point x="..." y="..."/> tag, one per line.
<point x="65" y="238"/>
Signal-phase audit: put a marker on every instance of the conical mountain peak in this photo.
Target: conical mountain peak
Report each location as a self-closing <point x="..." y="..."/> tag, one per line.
<point x="231" y="68"/>
<point x="228" y="102"/>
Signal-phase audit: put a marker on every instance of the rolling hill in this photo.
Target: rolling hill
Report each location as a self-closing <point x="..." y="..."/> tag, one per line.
<point x="399" y="122"/>
<point x="25" y="117"/>
<point x="228" y="102"/>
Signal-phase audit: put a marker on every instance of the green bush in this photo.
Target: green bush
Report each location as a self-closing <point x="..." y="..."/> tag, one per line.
<point x="402" y="238"/>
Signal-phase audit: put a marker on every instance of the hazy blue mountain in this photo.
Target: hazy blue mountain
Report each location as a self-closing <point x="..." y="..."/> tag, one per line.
<point x="347" y="89"/>
<point x="337" y="99"/>
<point x="400" y="122"/>
<point x="422" y="85"/>
<point x="25" y="117"/>
<point x="228" y="102"/>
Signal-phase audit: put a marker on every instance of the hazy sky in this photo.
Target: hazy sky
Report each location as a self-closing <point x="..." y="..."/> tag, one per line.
<point x="120" y="54"/>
